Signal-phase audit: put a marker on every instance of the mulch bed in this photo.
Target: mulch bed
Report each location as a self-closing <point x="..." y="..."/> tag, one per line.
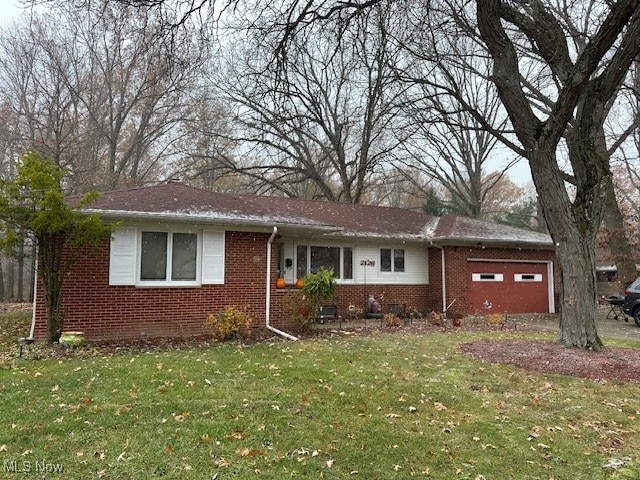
<point x="612" y="363"/>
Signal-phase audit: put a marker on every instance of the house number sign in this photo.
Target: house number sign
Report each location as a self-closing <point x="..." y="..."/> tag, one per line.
<point x="367" y="263"/>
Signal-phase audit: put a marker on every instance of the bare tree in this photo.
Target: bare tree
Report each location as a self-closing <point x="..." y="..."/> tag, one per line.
<point x="449" y="146"/>
<point x="319" y="123"/>
<point x="206" y="149"/>
<point x="101" y="93"/>
<point x="585" y="86"/>
<point x="622" y="203"/>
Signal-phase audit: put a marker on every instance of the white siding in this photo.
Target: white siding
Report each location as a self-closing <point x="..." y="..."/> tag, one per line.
<point x="416" y="265"/>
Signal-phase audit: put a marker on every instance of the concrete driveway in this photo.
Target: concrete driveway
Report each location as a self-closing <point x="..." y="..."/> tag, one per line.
<point x="623" y="328"/>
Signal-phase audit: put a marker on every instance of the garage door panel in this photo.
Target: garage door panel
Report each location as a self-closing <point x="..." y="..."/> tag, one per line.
<point x="507" y="287"/>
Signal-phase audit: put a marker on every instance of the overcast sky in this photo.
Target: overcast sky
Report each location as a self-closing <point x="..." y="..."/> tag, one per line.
<point x="8" y="10"/>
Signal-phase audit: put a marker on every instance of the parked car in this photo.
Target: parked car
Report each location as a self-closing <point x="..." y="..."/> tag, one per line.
<point x="631" y="305"/>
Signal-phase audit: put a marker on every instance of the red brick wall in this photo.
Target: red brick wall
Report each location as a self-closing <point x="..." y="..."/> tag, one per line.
<point x="107" y="312"/>
<point x="456" y="271"/>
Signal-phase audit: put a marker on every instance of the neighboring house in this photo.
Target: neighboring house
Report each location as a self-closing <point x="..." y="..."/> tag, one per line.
<point x="180" y="253"/>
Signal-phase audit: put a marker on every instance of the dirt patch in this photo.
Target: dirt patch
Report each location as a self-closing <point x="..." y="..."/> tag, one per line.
<point x="540" y="356"/>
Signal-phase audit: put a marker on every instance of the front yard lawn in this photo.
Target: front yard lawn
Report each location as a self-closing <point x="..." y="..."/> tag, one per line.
<point x="371" y="407"/>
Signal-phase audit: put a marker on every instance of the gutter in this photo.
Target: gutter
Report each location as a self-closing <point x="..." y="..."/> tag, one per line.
<point x="246" y="221"/>
<point x="268" y="294"/>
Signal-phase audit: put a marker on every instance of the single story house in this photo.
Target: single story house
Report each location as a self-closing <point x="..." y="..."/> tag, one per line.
<point x="179" y="254"/>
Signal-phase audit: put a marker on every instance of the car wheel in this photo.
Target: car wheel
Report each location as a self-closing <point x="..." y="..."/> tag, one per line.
<point x="636" y="316"/>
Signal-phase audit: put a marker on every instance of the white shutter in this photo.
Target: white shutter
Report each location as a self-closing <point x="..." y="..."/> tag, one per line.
<point x="212" y="257"/>
<point x="122" y="259"/>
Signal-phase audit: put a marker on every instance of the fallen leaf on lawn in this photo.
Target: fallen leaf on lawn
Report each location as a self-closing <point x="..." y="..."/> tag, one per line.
<point x="101" y="473"/>
<point x="55" y="388"/>
<point x="120" y="457"/>
<point x="205" y="438"/>
<point x="247" y="452"/>
<point x="393" y="415"/>
<point x="181" y="417"/>
<point x="329" y="463"/>
<point x="3" y="448"/>
<point x="439" y="406"/>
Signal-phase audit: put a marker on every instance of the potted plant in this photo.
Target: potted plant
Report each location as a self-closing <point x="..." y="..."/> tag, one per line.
<point x="320" y="286"/>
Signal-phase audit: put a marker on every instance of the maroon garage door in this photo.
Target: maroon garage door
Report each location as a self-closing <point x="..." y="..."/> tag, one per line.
<point x="498" y="287"/>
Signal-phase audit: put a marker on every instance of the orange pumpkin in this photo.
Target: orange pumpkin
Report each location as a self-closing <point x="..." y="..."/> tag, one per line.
<point x="280" y="283"/>
<point x="299" y="283"/>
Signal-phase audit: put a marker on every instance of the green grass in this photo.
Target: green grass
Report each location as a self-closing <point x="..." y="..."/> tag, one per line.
<point x="13" y="325"/>
<point x="378" y="407"/>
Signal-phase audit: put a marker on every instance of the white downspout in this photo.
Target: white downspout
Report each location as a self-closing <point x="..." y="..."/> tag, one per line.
<point x="268" y="295"/>
<point x="444" y="278"/>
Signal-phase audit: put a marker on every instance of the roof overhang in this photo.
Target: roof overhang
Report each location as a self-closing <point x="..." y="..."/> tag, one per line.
<point x="481" y="242"/>
<point x="240" y="222"/>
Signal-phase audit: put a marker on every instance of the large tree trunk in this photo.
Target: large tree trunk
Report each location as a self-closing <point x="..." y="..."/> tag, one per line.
<point x="578" y="293"/>
<point x="574" y="238"/>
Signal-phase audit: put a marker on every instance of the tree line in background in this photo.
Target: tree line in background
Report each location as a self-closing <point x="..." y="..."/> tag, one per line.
<point x="421" y="104"/>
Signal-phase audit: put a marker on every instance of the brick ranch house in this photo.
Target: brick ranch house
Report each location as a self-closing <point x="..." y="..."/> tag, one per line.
<point x="180" y="253"/>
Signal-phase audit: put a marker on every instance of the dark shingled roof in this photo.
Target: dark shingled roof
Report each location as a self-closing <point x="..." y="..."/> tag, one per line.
<point x="176" y="201"/>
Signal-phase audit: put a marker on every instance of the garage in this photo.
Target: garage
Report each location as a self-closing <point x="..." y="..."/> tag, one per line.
<point x="500" y="286"/>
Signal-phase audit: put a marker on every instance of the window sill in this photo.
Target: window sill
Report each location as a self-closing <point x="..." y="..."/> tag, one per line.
<point x="168" y="285"/>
